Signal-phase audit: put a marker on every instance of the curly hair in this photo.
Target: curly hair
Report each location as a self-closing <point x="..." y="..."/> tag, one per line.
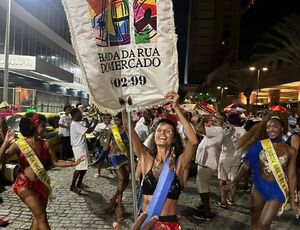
<point x="177" y="142"/>
<point x="26" y="126"/>
<point x="258" y="131"/>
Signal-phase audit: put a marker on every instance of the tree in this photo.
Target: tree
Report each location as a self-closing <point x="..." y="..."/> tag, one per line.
<point x="243" y="82"/>
<point x="238" y="78"/>
<point x="282" y="42"/>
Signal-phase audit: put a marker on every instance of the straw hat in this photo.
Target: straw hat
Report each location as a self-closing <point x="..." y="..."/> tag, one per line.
<point x="4" y="104"/>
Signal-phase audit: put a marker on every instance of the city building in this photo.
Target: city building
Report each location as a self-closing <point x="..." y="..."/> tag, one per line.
<point x="214" y="35"/>
<point x="43" y="71"/>
<point x="223" y="38"/>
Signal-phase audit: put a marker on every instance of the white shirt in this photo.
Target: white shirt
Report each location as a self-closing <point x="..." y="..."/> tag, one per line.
<point x="77" y="131"/>
<point x="141" y="129"/>
<point x="99" y="131"/>
<point x="229" y="154"/>
<point x="208" y="151"/>
<point x="66" y="121"/>
<point x="147" y="141"/>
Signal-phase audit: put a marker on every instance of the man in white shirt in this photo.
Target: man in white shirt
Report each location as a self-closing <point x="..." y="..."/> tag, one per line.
<point x="79" y="146"/>
<point x="230" y="157"/>
<point x="64" y="131"/>
<point x="207" y="159"/>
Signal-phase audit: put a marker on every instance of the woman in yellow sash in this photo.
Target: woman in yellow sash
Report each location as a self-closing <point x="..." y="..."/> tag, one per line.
<point x="117" y="145"/>
<point x="32" y="184"/>
<point x="272" y="162"/>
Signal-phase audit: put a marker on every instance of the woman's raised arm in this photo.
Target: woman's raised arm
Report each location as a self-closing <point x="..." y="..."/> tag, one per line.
<point x="192" y="143"/>
<point x="138" y="147"/>
<point x="7" y="149"/>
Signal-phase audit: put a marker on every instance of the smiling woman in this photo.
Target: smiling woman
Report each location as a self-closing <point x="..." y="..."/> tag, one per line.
<point x="32" y="184"/>
<point x="272" y="161"/>
<point x="163" y="164"/>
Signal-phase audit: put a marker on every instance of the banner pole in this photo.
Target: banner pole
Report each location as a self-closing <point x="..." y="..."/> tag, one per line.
<point x="132" y="166"/>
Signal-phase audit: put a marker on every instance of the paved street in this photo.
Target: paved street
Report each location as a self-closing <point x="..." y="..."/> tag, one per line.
<point x="71" y="211"/>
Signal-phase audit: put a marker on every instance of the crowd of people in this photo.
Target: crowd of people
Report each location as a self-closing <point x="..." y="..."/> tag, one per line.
<point x="166" y="141"/>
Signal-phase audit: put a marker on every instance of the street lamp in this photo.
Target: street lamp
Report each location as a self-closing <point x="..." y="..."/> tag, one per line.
<point x="264" y="69"/>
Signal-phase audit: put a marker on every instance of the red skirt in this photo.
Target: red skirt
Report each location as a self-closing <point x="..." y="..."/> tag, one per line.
<point x="38" y="186"/>
<point x="170" y="222"/>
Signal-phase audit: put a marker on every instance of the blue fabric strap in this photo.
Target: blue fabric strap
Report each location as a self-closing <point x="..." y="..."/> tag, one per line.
<point x="160" y="194"/>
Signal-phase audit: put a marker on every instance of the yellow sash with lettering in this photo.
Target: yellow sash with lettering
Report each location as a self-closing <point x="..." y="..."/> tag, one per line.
<point x="277" y="170"/>
<point x="118" y="139"/>
<point x="34" y="163"/>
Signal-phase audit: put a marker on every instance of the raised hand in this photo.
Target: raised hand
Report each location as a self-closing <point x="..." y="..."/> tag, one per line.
<point x="138" y="224"/>
<point x="10" y="136"/>
<point x="173" y="98"/>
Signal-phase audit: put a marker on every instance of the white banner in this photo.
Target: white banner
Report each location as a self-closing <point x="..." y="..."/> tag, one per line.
<point x="126" y="49"/>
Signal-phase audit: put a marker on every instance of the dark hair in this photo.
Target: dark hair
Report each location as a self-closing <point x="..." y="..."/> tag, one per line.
<point x="66" y="107"/>
<point x="258" y="132"/>
<point x="26" y="125"/>
<point x="74" y="111"/>
<point x="177" y="142"/>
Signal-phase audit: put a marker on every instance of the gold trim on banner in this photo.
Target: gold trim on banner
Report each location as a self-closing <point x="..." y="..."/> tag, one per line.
<point x="35" y="163"/>
<point x="277" y="170"/>
<point x="118" y="139"/>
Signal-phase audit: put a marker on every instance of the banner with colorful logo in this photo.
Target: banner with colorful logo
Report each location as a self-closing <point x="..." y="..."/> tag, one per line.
<point x="126" y="49"/>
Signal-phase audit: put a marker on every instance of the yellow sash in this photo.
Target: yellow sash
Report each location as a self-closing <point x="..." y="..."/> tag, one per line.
<point x="34" y="163"/>
<point x="119" y="141"/>
<point x="277" y="170"/>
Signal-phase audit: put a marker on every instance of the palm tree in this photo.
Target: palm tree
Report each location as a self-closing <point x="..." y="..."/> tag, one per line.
<point x="282" y="42"/>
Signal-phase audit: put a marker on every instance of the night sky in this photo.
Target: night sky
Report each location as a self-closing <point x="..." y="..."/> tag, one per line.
<point x="260" y="18"/>
<point x="181" y="10"/>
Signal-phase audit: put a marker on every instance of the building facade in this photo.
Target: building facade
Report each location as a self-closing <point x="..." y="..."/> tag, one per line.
<point x="43" y="71"/>
<point x="214" y="35"/>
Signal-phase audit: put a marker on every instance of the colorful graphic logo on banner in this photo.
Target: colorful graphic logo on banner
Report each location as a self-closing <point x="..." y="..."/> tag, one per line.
<point x="145" y="21"/>
<point x="110" y="22"/>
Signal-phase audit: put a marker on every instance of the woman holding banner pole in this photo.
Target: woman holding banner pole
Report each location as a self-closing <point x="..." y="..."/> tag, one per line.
<point x="163" y="165"/>
<point x="274" y="171"/>
<point x="32" y="184"/>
